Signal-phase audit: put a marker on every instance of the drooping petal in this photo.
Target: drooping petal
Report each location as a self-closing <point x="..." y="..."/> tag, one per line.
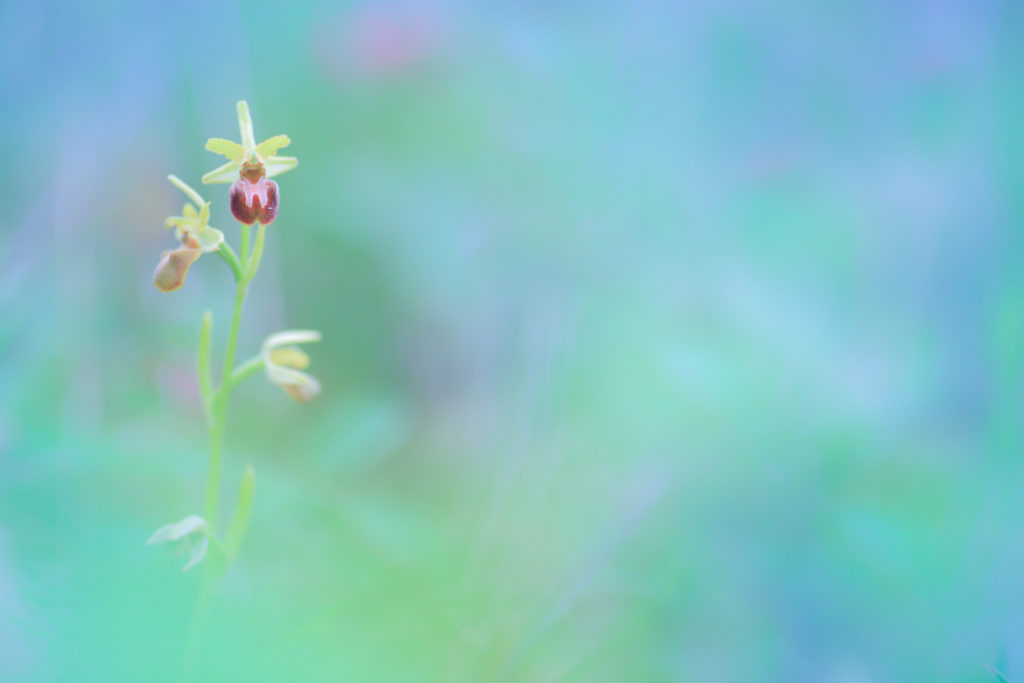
<point x="269" y="147"/>
<point x="228" y="173"/>
<point x="232" y="150"/>
<point x="289" y="337"/>
<point x="278" y="165"/>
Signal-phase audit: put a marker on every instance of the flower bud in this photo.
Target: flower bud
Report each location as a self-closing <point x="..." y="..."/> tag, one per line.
<point x="253" y="197"/>
<point x="284" y="363"/>
<point x="173" y="267"/>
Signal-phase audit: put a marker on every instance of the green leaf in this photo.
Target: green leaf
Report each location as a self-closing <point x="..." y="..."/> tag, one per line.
<point x="205" y="378"/>
<point x="243" y="510"/>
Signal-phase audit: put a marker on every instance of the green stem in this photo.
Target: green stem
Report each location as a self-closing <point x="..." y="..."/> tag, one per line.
<point x="228" y="254"/>
<point x="257" y="253"/>
<point x="254" y="364"/>
<point x="244" y="271"/>
<point x="245" y="250"/>
<point x="220" y="406"/>
<point x="213" y="475"/>
<point x="192" y="194"/>
<point x="241" y="290"/>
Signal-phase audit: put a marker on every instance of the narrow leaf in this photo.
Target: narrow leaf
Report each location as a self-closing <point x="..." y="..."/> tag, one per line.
<point x="205" y="378"/>
<point x="243" y="510"/>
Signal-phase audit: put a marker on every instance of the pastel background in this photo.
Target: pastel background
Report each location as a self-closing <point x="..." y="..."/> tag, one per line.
<point x="663" y="341"/>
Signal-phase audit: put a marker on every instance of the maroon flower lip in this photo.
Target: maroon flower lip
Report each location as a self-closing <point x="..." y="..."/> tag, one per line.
<point x="253" y="197"/>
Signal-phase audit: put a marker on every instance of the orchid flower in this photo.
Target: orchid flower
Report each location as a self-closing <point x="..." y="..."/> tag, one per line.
<point x="284" y="363"/>
<point x="254" y="197"/>
<point x="195" y="235"/>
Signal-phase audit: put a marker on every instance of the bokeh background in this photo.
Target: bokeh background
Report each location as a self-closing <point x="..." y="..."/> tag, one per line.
<point x="662" y="341"/>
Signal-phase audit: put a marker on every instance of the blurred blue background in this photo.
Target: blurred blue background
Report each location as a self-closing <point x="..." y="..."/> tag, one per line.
<point x="662" y="341"/>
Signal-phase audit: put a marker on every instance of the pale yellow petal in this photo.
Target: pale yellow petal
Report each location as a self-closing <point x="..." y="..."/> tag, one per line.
<point x="228" y="173"/>
<point x="290" y="357"/>
<point x="209" y="238"/>
<point x="289" y="337"/>
<point x="278" y="165"/>
<point x="269" y="147"/>
<point x="232" y="150"/>
<point x="245" y="126"/>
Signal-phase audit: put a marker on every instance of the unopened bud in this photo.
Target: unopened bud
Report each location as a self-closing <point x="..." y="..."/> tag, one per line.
<point x="173" y="267"/>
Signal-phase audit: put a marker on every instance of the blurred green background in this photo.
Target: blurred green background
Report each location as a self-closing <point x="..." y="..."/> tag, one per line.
<point x="662" y="341"/>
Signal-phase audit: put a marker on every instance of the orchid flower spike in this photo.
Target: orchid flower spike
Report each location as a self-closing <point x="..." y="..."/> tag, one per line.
<point x="254" y="197"/>
<point x="195" y="235"/>
<point x="186" y="529"/>
<point x="284" y="363"/>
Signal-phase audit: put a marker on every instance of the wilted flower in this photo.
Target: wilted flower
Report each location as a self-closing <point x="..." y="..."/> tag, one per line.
<point x="191" y="526"/>
<point x="195" y="235"/>
<point x="173" y="266"/>
<point x="254" y="196"/>
<point x="284" y="363"/>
